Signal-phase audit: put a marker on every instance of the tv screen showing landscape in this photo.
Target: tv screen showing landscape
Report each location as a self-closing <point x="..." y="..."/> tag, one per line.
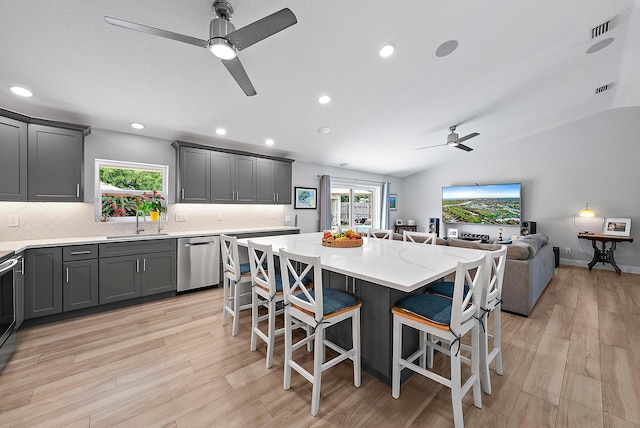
<point x="497" y="204"/>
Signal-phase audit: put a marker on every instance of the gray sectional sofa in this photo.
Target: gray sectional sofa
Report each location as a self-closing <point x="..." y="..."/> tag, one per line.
<point x="529" y="268"/>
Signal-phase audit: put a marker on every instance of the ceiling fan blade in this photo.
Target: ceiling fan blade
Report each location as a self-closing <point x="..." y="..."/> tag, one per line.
<point x="156" y="32"/>
<point x="261" y="29"/>
<point x="463" y="147"/>
<point x="466" y="137"/>
<point x="237" y="71"/>
<point x="428" y="147"/>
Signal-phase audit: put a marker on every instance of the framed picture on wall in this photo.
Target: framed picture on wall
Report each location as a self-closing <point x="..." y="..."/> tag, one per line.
<point x="616" y="226"/>
<point x="398" y="222"/>
<point x="393" y="202"/>
<point x="306" y="198"/>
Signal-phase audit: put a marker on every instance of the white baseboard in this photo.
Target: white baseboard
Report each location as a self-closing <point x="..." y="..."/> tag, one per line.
<point x="599" y="266"/>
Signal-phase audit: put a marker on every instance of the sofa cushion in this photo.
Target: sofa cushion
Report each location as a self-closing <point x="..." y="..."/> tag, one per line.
<point x="517" y="252"/>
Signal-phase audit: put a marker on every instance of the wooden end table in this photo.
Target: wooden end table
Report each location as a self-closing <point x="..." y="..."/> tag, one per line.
<point x="604" y="254"/>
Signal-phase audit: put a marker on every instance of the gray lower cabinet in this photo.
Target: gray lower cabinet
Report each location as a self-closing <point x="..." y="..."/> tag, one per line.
<point x="18" y="280"/>
<point x="13" y="160"/>
<point x="43" y="282"/>
<point x="55" y="164"/>
<point x="376" y="324"/>
<point x="80" y="289"/>
<point x="80" y="282"/>
<point x="134" y="269"/>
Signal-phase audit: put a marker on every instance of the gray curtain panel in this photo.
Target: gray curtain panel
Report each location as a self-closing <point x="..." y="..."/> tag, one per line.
<point x="384" y="214"/>
<point x="325" y="203"/>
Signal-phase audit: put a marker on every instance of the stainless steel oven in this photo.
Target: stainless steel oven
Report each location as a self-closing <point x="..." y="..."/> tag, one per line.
<point x="8" y="264"/>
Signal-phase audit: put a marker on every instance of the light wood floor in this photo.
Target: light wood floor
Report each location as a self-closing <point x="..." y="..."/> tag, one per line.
<point x="575" y="362"/>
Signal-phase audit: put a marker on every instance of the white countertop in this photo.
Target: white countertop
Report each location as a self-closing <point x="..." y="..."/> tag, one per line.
<point x="404" y="266"/>
<point x="19" y="246"/>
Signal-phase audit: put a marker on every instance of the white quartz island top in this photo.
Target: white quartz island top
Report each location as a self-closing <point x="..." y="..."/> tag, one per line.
<point x="19" y="246"/>
<point x="405" y="266"/>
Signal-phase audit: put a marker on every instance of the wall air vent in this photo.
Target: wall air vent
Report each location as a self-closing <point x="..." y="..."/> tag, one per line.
<point x="604" y="88"/>
<point x="601" y="29"/>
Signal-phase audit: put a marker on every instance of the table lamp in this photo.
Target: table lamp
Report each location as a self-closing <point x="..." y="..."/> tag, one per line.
<point x="585" y="212"/>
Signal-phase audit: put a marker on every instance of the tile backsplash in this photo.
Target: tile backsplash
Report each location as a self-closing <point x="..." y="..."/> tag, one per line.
<point x="41" y="220"/>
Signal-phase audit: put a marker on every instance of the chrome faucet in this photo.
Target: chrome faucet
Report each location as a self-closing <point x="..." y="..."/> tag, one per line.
<point x="138" y="229"/>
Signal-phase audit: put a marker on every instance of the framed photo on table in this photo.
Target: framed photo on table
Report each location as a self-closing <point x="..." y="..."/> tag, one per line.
<point x="616" y="226"/>
<point x="393" y="202"/>
<point x="306" y="198"/>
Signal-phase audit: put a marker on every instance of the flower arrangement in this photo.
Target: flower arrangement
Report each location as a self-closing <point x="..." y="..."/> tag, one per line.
<point x="151" y="202"/>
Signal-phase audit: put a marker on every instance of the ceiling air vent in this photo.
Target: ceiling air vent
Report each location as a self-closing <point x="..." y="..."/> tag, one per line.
<point x="603" y="88"/>
<point x="600" y="29"/>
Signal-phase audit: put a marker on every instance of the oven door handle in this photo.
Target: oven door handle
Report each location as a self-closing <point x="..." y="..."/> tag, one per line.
<point x="9" y="264"/>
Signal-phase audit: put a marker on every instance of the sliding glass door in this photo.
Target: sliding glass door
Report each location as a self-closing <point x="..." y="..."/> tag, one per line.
<point x="354" y="206"/>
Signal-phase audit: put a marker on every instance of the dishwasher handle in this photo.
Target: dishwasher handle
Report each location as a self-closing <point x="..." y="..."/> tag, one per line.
<point x="201" y="243"/>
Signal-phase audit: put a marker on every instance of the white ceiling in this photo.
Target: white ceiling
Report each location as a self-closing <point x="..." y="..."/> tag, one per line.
<point x="521" y="67"/>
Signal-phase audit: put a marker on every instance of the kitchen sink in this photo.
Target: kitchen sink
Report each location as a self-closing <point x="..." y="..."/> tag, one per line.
<point x="137" y="236"/>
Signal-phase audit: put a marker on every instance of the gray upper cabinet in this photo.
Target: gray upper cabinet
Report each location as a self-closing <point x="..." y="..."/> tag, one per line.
<point x="233" y="178"/>
<point x="13" y="160"/>
<point x="55" y="162"/>
<point x="194" y="182"/>
<point x="283" y="183"/>
<point x="222" y="176"/>
<point x="274" y="182"/>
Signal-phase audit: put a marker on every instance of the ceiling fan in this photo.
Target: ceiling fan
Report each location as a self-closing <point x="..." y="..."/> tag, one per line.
<point x="224" y="40"/>
<point x="454" y="141"/>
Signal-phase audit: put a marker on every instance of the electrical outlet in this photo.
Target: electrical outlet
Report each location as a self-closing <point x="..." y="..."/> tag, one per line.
<point x="181" y="217"/>
<point x="287" y="219"/>
<point x="567" y="250"/>
<point x="219" y="216"/>
<point x="273" y="214"/>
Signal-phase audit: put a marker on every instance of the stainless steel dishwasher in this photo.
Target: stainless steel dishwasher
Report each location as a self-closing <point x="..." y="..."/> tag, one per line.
<point x="198" y="262"/>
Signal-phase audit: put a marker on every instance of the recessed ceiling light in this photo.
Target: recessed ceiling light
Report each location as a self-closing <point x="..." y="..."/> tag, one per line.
<point x="221" y="131"/>
<point x="386" y="51"/>
<point x="324" y="130"/>
<point x="600" y="45"/>
<point x="446" y="48"/>
<point x="136" y="125"/>
<point x="269" y="142"/>
<point x="325" y="99"/>
<point x="23" y="92"/>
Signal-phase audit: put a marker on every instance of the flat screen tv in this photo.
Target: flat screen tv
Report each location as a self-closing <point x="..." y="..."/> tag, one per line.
<point x="497" y="204"/>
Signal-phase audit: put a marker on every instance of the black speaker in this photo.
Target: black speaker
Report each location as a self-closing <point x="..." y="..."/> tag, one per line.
<point x="434" y="225"/>
<point x="527" y="228"/>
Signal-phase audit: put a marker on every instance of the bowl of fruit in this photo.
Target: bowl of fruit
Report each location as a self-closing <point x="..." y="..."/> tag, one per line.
<point x="347" y="239"/>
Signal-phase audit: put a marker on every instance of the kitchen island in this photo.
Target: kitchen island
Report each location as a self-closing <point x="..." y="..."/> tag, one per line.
<point x="380" y="273"/>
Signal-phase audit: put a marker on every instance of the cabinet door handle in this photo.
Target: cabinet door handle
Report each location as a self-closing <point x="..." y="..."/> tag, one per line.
<point x="77" y="190"/>
<point x="274" y="197"/>
<point x="67" y="275"/>
<point x="182" y="194"/>
<point x="137" y="265"/>
<point x="144" y="265"/>
<point x="77" y="253"/>
<point x="277" y="197"/>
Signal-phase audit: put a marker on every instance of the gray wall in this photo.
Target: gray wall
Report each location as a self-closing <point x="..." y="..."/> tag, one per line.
<point x="594" y="160"/>
<point x="111" y="145"/>
<point x="306" y="175"/>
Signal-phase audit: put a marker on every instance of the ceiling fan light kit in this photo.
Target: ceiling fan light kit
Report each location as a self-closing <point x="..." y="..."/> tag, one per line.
<point x="224" y="40"/>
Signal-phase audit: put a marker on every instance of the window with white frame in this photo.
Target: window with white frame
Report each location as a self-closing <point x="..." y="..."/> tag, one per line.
<point x="124" y="188"/>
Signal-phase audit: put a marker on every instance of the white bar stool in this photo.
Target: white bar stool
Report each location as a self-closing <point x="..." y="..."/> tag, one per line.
<point x="235" y="275"/>
<point x="318" y="308"/>
<point x="448" y="320"/>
